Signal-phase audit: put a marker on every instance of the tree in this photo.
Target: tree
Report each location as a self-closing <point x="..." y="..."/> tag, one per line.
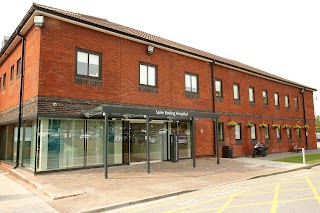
<point x="318" y="123"/>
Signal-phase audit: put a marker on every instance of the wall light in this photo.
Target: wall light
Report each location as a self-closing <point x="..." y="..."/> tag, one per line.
<point x="150" y="49"/>
<point x="38" y="21"/>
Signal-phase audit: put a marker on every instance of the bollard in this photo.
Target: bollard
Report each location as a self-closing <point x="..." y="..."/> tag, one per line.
<point x="303" y="156"/>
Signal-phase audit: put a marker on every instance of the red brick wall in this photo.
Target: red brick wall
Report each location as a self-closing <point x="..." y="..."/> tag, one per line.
<point x="10" y="96"/>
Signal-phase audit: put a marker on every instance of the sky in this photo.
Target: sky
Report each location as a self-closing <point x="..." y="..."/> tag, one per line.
<point x="281" y="37"/>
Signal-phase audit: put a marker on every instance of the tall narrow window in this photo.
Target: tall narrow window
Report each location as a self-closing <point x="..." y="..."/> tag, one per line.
<point x="218" y="88"/>
<point x="220" y="130"/>
<point x="286" y="100"/>
<point x="148" y="75"/>
<point x="4" y="81"/>
<point x="251" y="94"/>
<point x="191" y="83"/>
<point x="236" y="92"/>
<point x="237" y="129"/>
<point x="12" y="73"/>
<point x="298" y="133"/>
<point x="289" y="133"/>
<point x="0" y="84"/>
<point x="19" y="67"/>
<point x="266" y="132"/>
<point x="265" y="97"/>
<point x="276" y="99"/>
<point x="278" y="132"/>
<point x="253" y="132"/>
<point x="88" y="64"/>
<point x="296" y="103"/>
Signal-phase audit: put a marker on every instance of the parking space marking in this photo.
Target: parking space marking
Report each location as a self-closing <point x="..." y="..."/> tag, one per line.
<point x="275" y="199"/>
<point x="314" y="190"/>
<point x="225" y="205"/>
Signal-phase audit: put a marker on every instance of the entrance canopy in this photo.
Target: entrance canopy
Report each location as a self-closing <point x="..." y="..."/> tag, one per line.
<point x="150" y="114"/>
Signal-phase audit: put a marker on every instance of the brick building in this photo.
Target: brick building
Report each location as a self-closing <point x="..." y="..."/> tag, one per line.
<point x="84" y="77"/>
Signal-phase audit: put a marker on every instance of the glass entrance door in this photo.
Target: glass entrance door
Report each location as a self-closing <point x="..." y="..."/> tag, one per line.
<point x="138" y="141"/>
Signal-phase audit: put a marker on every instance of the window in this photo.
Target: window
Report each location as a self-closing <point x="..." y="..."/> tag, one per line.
<point x="12" y="73"/>
<point x="237" y="129"/>
<point x="236" y="92"/>
<point x="148" y="75"/>
<point x="218" y="88"/>
<point x="19" y="67"/>
<point x="0" y="83"/>
<point x="296" y="104"/>
<point x="266" y="132"/>
<point x="289" y="133"/>
<point x="191" y="81"/>
<point x="278" y="131"/>
<point x="253" y="132"/>
<point x="265" y="97"/>
<point x="276" y="99"/>
<point x="88" y="64"/>
<point x="251" y="94"/>
<point x="4" y="81"/>
<point x="220" y="130"/>
<point x="286" y="100"/>
<point x="298" y="133"/>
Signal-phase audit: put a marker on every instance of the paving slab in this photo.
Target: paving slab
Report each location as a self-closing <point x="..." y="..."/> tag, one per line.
<point x="88" y="191"/>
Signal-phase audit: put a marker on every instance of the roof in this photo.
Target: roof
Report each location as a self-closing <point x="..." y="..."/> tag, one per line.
<point x="146" y="37"/>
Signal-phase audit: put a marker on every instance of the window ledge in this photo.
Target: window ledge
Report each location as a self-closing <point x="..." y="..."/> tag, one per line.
<point x="265" y="106"/>
<point x="88" y="80"/>
<point x="238" y="142"/>
<point x="219" y="99"/>
<point x="252" y="104"/>
<point x="148" y="89"/>
<point x="279" y="140"/>
<point x="236" y="101"/>
<point x="192" y="95"/>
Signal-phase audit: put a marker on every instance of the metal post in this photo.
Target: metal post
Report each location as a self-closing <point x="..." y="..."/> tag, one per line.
<point x="303" y="156"/>
<point x="216" y="141"/>
<point x="105" y="142"/>
<point x="193" y="142"/>
<point x="148" y="145"/>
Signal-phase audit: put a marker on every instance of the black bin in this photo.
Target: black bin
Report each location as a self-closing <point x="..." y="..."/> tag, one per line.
<point x="226" y="152"/>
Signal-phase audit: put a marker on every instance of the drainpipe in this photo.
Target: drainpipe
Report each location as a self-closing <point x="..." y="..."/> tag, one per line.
<point x="215" y="124"/>
<point x="304" y="116"/>
<point x="20" y="100"/>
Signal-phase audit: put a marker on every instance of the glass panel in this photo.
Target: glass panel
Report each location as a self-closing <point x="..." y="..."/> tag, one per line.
<point x="28" y="144"/>
<point x="235" y="92"/>
<point x="143" y="74"/>
<point x="251" y="97"/>
<point x="278" y="133"/>
<point x="287" y="101"/>
<point x="94" y="65"/>
<point x="184" y="140"/>
<point x="276" y="102"/>
<point x="289" y="133"/>
<point x="298" y="133"/>
<point x="115" y="145"/>
<point x="8" y="143"/>
<point x="61" y="144"/>
<point x="237" y="132"/>
<point x="253" y="132"/>
<point x="266" y="133"/>
<point x="194" y="83"/>
<point x="218" y="88"/>
<point x="188" y="82"/>
<point x="265" y="99"/>
<point x="94" y="137"/>
<point x="158" y="135"/>
<point x="82" y="63"/>
<point x="296" y="103"/>
<point x="151" y="76"/>
<point x="220" y="129"/>
<point x="138" y="142"/>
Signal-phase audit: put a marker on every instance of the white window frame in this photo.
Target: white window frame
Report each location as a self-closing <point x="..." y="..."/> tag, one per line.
<point x="265" y="97"/>
<point x="253" y="132"/>
<point x="236" y="91"/>
<point x="276" y="99"/>
<point x="148" y="75"/>
<point x="191" y="81"/>
<point x="88" y="58"/>
<point x="251" y="94"/>
<point x="218" y="84"/>
<point x="237" y="131"/>
<point x="286" y="100"/>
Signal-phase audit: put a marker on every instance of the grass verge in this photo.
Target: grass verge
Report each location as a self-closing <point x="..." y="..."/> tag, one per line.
<point x="310" y="159"/>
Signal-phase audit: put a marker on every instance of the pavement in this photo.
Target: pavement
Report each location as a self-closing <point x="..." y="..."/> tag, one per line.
<point x="88" y="191"/>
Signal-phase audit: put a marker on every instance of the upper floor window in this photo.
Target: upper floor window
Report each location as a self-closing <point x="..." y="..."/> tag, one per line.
<point x="251" y="94"/>
<point x="19" y="67"/>
<point x="88" y="63"/>
<point x="276" y="99"/>
<point x="237" y="130"/>
<point x="220" y="130"/>
<point x="4" y="82"/>
<point x="286" y="100"/>
<point x="236" y="92"/>
<point x="265" y="97"/>
<point x="218" y="85"/>
<point x="253" y="132"/>
<point x="148" y="75"/>
<point x="191" y="82"/>
<point x="296" y="103"/>
<point x="12" y="73"/>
